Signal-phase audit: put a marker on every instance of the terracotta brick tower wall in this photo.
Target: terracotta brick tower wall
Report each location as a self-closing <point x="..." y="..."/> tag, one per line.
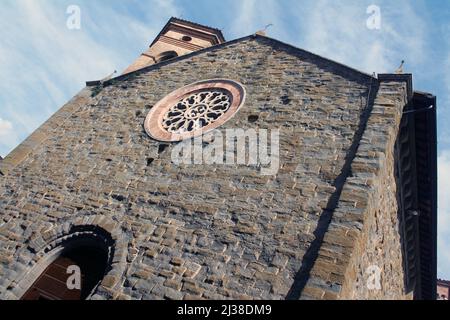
<point x="178" y="38"/>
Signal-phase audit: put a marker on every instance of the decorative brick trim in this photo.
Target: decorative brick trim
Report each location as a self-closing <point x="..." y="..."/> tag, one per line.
<point x="276" y="44"/>
<point x="181" y="43"/>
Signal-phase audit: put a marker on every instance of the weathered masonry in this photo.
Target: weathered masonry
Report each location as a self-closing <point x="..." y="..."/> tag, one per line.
<point x="350" y="213"/>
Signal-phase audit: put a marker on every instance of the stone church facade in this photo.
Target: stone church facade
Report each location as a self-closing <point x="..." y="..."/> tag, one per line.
<point x="349" y="214"/>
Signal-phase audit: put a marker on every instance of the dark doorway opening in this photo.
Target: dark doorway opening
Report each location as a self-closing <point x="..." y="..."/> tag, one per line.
<point x="52" y="283"/>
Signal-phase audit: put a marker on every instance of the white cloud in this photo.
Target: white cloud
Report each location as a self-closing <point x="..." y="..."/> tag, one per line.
<point x="43" y="63"/>
<point x="338" y="30"/>
<point x="447" y="75"/>
<point x="254" y="15"/>
<point x="8" y="138"/>
<point x="5" y="129"/>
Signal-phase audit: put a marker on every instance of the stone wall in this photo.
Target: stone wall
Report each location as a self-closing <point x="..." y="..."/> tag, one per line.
<point x="202" y="231"/>
<point x="361" y="254"/>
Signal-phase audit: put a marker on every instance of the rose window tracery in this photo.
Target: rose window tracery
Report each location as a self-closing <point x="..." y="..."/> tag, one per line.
<point x="195" y="109"/>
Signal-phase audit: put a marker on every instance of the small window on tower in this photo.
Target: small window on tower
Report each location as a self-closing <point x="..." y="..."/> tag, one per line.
<point x="187" y="39"/>
<point x="166" y="56"/>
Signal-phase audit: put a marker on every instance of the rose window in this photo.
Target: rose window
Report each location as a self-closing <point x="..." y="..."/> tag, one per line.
<point x="195" y="109"/>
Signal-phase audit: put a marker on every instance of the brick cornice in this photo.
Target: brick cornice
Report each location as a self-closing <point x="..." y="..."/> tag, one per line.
<point x="180" y="43"/>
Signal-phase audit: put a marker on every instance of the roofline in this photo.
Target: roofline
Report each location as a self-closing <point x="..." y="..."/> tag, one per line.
<point x="315" y="55"/>
<point x="445" y="282"/>
<point x="219" y="33"/>
<point x="424" y="95"/>
<point x="194" y="24"/>
<point x="228" y="43"/>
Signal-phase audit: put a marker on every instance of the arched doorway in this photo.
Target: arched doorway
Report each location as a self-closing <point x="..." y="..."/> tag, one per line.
<point x="73" y="269"/>
<point x="52" y="284"/>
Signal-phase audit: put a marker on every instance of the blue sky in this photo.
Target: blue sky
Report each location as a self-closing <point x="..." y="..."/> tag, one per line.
<point x="43" y="63"/>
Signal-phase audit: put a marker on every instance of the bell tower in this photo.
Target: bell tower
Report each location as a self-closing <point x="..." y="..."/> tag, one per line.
<point x="177" y="38"/>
